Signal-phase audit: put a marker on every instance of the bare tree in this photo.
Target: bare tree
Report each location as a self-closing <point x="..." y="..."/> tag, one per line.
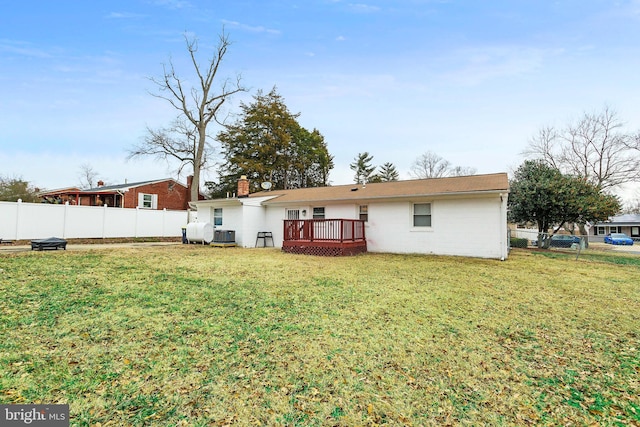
<point x="633" y="142"/>
<point x="429" y="165"/>
<point x="594" y="148"/>
<point x="197" y="106"/>
<point x="544" y="146"/>
<point x="177" y="142"/>
<point x="87" y="176"/>
<point x="462" y="171"/>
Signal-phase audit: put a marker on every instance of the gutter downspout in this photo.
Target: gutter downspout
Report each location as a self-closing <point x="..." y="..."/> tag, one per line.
<point x="504" y="245"/>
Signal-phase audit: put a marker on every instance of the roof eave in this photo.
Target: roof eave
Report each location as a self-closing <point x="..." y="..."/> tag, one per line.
<point x="394" y="197"/>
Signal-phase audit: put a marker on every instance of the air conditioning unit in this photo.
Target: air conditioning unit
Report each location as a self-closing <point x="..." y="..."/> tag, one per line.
<point x="224" y="236"/>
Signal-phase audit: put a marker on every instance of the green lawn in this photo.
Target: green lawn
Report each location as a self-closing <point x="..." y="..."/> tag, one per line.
<point x="199" y="336"/>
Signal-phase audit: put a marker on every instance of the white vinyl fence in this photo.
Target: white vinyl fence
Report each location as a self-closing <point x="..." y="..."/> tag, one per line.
<point x="24" y="221"/>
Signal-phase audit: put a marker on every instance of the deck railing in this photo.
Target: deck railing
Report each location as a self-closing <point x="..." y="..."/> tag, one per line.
<point x="335" y="230"/>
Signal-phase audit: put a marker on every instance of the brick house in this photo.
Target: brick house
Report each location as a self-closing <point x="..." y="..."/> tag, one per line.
<point x="158" y="194"/>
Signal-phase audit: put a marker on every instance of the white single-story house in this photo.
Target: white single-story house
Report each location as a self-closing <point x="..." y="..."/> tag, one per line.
<point x="626" y="223"/>
<point x="464" y="216"/>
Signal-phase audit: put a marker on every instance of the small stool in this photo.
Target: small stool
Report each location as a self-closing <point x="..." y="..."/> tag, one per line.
<point x="264" y="235"/>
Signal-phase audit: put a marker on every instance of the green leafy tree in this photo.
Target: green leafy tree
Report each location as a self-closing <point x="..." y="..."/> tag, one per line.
<point x="542" y="195"/>
<point x="386" y="173"/>
<point x="266" y="143"/>
<point x="363" y="168"/>
<point x="12" y="189"/>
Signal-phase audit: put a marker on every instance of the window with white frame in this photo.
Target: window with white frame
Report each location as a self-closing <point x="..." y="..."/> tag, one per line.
<point x="635" y="231"/>
<point x="600" y="231"/>
<point x="363" y="213"/>
<point x="217" y="217"/>
<point x="147" y="201"/>
<point x="318" y="213"/>
<point x="422" y="214"/>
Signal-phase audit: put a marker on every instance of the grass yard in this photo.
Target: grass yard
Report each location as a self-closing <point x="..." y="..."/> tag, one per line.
<point x="198" y="336"/>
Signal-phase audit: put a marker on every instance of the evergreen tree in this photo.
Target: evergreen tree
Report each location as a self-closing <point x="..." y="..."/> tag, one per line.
<point x="267" y="143"/>
<point x="362" y="167"/>
<point x="387" y="172"/>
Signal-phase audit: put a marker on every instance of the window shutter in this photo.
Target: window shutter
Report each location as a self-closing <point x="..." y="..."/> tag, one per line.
<point x="154" y="201"/>
<point x="140" y="200"/>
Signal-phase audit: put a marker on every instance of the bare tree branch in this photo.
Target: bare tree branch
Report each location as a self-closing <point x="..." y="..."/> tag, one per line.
<point x="178" y="142"/>
<point x="595" y="148"/>
<point x="87" y="176"/>
<point x="429" y="165"/>
<point x="462" y="171"/>
<point x="198" y="105"/>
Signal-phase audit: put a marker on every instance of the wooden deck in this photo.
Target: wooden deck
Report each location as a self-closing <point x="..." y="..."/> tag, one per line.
<point x="324" y="237"/>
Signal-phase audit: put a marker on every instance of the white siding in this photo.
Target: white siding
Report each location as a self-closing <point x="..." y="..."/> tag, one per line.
<point x="274" y="218"/>
<point x="345" y="211"/>
<point x="245" y="216"/>
<point x="466" y="227"/>
<point x="231" y="220"/>
<point x="253" y="222"/>
<point x="472" y="226"/>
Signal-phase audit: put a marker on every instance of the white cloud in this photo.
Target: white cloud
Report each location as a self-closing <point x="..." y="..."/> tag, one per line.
<point x="340" y="38"/>
<point x="363" y="8"/>
<point x="250" y="28"/>
<point x="23" y="49"/>
<point x="173" y="4"/>
<point x="124" y="15"/>
<point x="477" y="65"/>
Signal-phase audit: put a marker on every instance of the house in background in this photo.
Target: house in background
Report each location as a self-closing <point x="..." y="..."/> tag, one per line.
<point x="159" y="194"/>
<point x="465" y="216"/>
<point x="59" y="195"/>
<point x="627" y="223"/>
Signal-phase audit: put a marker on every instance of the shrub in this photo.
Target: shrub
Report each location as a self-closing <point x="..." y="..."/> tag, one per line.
<point x="517" y="242"/>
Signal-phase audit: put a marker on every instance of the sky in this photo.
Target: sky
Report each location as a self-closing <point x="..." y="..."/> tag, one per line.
<point x="469" y="80"/>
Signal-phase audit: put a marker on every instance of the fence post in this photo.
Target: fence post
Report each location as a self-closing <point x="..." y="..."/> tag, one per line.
<point x="18" y="209"/>
<point x="64" y="219"/>
<point x="135" y="231"/>
<point x="164" y="227"/>
<point x="104" y="221"/>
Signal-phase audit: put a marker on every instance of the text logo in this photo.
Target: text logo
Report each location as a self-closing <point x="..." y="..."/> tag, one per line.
<point x="34" y="415"/>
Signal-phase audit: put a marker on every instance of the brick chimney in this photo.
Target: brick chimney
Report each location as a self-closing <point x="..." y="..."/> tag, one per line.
<point x="189" y="182"/>
<point x="243" y="186"/>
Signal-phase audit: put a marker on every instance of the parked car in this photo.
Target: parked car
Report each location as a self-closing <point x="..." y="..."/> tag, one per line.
<point x="563" y="241"/>
<point x="618" y="239"/>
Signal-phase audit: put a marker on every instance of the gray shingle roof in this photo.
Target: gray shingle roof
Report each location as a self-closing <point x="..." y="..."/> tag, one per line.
<point x="394" y="189"/>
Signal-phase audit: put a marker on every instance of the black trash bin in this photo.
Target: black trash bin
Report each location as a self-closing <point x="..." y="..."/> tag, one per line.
<point x="184" y="235"/>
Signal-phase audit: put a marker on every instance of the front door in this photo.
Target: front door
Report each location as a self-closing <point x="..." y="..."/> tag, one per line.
<point x="294" y="226"/>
